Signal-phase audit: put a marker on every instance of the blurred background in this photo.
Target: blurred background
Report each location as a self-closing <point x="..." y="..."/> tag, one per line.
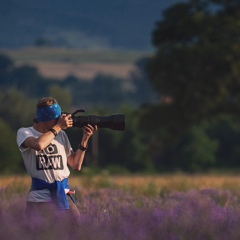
<point x="172" y="67"/>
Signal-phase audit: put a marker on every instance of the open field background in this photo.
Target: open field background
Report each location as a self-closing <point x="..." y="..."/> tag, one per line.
<point x="60" y="62"/>
<point x="149" y="185"/>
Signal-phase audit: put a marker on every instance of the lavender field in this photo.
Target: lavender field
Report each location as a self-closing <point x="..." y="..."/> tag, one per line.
<point x="165" y="207"/>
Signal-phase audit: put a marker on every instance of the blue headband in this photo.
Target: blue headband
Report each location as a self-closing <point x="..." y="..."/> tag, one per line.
<point x="48" y="113"/>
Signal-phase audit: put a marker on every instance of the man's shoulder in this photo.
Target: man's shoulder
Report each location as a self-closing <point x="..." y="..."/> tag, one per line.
<point x="22" y="134"/>
<point x="25" y="129"/>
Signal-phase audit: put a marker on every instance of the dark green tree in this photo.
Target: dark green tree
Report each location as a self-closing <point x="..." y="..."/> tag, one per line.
<point x="226" y="131"/>
<point x="62" y="95"/>
<point x="128" y="149"/>
<point x="29" y="80"/>
<point x="16" y="108"/>
<point x="10" y="160"/>
<point x="195" y="69"/>
<point x="107" y="91"/>
<point x="199" y="152"/>
<point x="142" y="92"/>
<point x="6" y="67"/>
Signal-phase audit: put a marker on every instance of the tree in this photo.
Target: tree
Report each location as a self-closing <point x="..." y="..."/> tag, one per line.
<point x="6" y="63"/>
<point x="199" y="151"/>
<point x="107" y="90"/>
<point x="16" y="108"/>
<point x="63" y="97"/>
<point x="6" y="67"/>
<point x="28" y="79"/>
<point x="10" y="160"/>
<point x="142" y="92"/>
<point x="195" y="69"/>
<point x="226" y="131"/>
<point x="127" y="149"/>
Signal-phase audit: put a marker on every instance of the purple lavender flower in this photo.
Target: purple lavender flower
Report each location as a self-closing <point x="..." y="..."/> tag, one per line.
<point x="118" y="214"/>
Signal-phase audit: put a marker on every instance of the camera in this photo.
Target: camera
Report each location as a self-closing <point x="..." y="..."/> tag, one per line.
<point x="114" y="121"/>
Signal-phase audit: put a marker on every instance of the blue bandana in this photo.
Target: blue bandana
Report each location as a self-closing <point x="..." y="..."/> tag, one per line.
<point x="48" y="113"/>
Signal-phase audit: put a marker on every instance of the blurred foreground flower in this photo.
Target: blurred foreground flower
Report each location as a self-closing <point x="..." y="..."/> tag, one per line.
<point x="117" y="214"/>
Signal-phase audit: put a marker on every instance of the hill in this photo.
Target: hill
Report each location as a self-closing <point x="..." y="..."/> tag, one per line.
<point x="87" y="24"/>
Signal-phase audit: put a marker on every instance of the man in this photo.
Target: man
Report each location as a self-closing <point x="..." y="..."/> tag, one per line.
<point x="46" y="153"/>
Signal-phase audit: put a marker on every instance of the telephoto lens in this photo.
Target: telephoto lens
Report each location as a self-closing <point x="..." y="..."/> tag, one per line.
<point x="114" y="121"/>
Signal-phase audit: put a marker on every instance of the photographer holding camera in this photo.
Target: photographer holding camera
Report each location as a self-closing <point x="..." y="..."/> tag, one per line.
<point x="46" y="153"/>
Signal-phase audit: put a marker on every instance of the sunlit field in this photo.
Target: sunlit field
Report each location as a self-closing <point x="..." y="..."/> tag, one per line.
<point x="60" y="62"/>
<point x="170" y="206"/>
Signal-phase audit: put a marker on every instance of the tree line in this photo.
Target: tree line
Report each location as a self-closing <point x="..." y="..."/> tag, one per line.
<point x="182" y="111"/>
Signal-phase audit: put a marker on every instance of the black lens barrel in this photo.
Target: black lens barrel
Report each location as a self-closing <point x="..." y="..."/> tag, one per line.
<point x="114" y="122"/>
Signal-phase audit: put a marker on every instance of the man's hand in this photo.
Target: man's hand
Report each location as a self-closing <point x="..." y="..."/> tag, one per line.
<point x="65" y="121"/>
<point x="88" y="131"/>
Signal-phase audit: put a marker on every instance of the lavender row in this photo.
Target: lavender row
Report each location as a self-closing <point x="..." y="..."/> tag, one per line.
<point x="117" y="214"/>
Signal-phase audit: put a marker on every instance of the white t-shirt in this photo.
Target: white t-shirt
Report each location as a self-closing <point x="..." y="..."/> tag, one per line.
<point x="49" y="165"/>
